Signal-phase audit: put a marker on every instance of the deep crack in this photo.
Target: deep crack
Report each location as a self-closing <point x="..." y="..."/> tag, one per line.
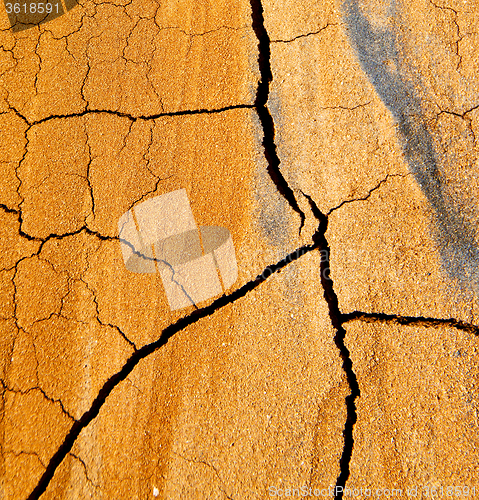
<point x="337" y="320"/>
<point x="371" y="317"/>
<point x="145" y="351"/>
<point x="120" y="114"/>
<point x="260" y="105"/>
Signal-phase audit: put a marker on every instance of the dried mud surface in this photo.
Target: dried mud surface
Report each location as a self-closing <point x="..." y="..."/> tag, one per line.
<point x="336" y="141"/>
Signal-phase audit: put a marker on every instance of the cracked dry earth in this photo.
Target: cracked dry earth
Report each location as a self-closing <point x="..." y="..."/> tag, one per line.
<point x="337" y="143"/>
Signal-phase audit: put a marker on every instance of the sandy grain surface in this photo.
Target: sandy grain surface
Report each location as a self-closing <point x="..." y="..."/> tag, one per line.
<point x="346" y="173"/>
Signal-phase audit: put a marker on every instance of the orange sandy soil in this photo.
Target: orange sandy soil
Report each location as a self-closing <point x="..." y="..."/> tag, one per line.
<point x="366" y="379"/>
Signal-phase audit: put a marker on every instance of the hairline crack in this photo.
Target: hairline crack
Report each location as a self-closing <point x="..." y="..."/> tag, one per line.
<point x="143" y="352"/>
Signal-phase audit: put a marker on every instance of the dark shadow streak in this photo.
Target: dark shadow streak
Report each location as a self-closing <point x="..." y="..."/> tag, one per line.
<point x="375" y="47"/>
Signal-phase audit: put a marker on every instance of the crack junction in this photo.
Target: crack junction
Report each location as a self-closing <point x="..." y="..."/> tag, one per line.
<point x="337" y="320"/>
